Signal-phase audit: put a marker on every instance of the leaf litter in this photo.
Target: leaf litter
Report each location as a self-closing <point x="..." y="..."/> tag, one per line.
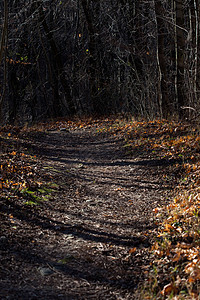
<point x="170" y="259"/>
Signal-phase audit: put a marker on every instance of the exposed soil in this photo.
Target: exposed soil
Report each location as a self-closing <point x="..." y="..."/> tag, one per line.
<point x="78" y="244"/>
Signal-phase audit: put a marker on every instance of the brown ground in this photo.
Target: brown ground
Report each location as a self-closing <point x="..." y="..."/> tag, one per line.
<point x="81" y="238"/>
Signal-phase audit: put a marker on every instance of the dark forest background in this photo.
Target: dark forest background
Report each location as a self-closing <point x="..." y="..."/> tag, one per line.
<point x="95" y="57"/>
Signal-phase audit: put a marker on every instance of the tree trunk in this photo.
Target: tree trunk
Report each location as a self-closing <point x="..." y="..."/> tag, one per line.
<point x="163" y="87"/>
<point x="95" y="68"/>
<point x="3" y="47"/>
<point x="180" y="56"/>
<point x="92" y="53"/>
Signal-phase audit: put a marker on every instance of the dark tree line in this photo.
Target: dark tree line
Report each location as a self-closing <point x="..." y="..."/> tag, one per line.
<point x="60" y="58"/>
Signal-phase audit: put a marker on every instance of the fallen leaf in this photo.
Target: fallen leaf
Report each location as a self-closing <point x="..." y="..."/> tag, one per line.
<point x="176" y="257"/>
<point x="168" y="289"/>
<point x="132" y="250"/>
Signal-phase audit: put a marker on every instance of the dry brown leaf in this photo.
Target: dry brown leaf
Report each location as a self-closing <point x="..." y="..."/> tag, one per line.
<point x="132" y="250"/>
<point x="176" y="257"/>
<point x="168" y="289"/>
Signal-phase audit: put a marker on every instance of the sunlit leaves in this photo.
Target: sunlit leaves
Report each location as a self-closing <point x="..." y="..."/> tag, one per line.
<point x="22" y="61"/>
<point x="181" y="226"/>
<point x="13" y="170"/>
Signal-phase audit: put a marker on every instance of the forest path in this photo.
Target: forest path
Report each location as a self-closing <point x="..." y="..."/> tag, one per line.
<point x="91" y="241"/>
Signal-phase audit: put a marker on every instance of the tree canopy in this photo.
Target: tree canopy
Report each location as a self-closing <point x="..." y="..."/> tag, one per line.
<point x="96" y="57"/>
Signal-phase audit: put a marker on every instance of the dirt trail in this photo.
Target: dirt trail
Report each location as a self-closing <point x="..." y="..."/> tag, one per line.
<point x="78" y="246"/>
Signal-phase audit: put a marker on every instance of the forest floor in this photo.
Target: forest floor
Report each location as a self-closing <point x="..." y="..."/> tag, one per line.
<point x="77" y="210"/>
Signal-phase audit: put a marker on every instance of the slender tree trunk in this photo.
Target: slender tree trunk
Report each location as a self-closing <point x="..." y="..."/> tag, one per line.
<point x="92" y="53"/>
<point x="180" y="56"/>
<point x="161" y="31"/>
<point x="3" y="47"/>
<point x="197" y="47"/>
<point x="196" y="30"/>
<point x="4" y="31"/>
